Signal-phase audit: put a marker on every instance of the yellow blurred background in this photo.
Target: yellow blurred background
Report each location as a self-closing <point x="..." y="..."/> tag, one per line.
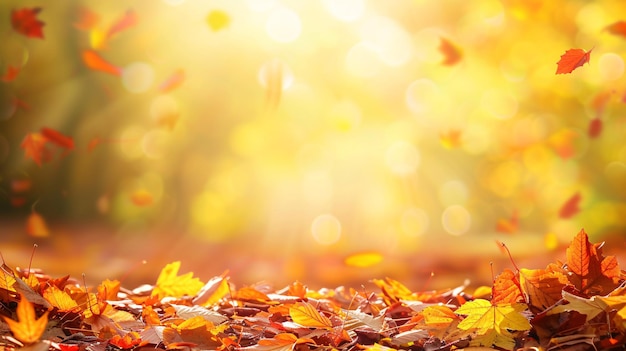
<point x="278" y="138"/>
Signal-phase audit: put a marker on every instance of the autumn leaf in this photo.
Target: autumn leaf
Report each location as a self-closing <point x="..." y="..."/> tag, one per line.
<point x="617" y="28"/>
<point x="451" y="53"/>
<point x="87" y="19"/>
<point x="28" y="328"/>
<point x="10" y="74"/>
<point x="571" y="206"/>
<point x="493" y="323"/>
<point x="510" y="225"/>
<point x="128" y="341"/>
<point x="589" y="307"/>
<point x="169" y="283"/>
<point x="34" y="145"/>
<point x="172" y="82"/>
<point x="58" y="138"/>
<point x="363" y="259"/>
<point x="542" y="286"/>
<point x="36" y="226"/>
<point x="304" y="314"/>
<point x="129" y="19"/>
<point x="595" y="128"/>
<point x="572" y="59"/>
<point x="142" y="198"/>
<point x="506" y="288"/>
<point x="591" y="272"/>
<point x="93" y="61"/>
<point x="217" y="20"/>
<point x="59" y="299"/>
<point x="24" y="21"/>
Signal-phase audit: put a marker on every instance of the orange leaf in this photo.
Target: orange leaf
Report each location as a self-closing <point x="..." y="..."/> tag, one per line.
<point x="28" y="328"/>
<point x="36" y="226"/>
<point x="572" y="59"/>
<point x="57" y="138"/>
<point x="10" y="74"/>
<point x="126" y="342"/>
<point x="173" y="81"/>
<point x="452" y="54"/>
<point x="570" y="207"/>
<point x="451" y="139"/>
<point x="595" y="128"/>
<point x="251" y="294"/>
<point x="93" y="61"/>
<point x="87" y="19"/>
<point x="297" y="289"/>
<point x="25" y="22"/>
<point x="59" y="299"/>
<point x="506" y="288"/>
<point x="542" y="286"/>
<point x="34" y="145"/>
<point x="509" y="226"/>
<point x="592" y="273"/>
<point x="617" y="28"/>
<point x="142" y="198"/>
<point x="306" y="315"/>
<point x="128" y="20"/>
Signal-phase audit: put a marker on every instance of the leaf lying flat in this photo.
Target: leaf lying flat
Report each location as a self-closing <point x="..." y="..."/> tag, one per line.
<point x="306" y="315"/>
<point x="27" y="328"/>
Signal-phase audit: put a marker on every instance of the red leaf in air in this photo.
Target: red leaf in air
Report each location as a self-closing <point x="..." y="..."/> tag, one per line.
<point x="25" y="22"/>
<point x="10" y="74"/>
<point x="128" y="20"/>
<point x="595" y="128"/>
<point x="173" y="81"/>
<point x="34" y="145"/>
<point x="87" y="19"/>
<point x="572" y="59"/>
<point x="508" y="226"/>
<point x="95" y="62"/>
<point x="452" y="54"/>
<point x="570" y="207"/>
<point x="617" y="28"/>
<point x="57" y="138"/>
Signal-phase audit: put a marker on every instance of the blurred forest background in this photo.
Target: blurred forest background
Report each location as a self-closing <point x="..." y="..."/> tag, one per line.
<point x="277" y="138"/>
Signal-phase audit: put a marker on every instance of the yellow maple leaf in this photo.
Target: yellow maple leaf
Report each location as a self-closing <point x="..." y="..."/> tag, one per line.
<point x="28" y="328"/>
<point x="306" y="315"/>
<point x="493" y="323"/>
<point x="169" y="283"/>
<point x="59" y="299"/>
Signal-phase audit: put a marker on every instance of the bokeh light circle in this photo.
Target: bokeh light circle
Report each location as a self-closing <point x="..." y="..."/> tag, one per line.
<point x="499" y="104"/>
<point x="422" y="95"/>
<point x="326" y="229"/>
<point x="611" y="66"/>
<point x="138" y="77"/>
<point x="402" y="158"/>
<point x="456" y="220"/>
<point x="453" y="192"/>
<point x="362" y="60"/>
<point x="283" y="25"/>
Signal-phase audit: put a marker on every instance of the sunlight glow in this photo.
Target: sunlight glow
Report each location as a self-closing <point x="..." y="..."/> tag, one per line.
<point x="283" y="25"/>
<point x="326" y="229"/>
<point x="456" y="220"/>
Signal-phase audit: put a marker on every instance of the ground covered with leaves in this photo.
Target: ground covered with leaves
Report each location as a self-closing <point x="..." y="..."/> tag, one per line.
<point x="577" y="304"/>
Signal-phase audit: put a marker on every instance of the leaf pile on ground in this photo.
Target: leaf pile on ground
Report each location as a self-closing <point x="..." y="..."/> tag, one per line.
<point x="578" y="304"/>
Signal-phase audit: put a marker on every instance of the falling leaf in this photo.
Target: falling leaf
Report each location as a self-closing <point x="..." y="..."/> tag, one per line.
<point x="508" y="226"/>
<point x="617" y="28"/>
<point x="451" y="53"/>
<point x="571" y="206"/>
<point x="591" y="272"/>
<point x="142" y="198"/>
<point x="87" y="19"/>
<point x="10" y="74"/>
<point x="129" y="19"/>
<point x="36" y="226"/>
<point x="24" y="21"/>
<point x="34" y="145"/>
<point x="170" y="284"/>
<point x="218" y="20"/>
<point x="595" y="128"/>
<point x="572" y="59"/>
<point x="304" y="314"/>
<point x="363" y="260"/>
<point x="173" y="81"/>
<point x="93" y="61"/>
<point x="562" y="142"/>
<point x="451" y="139"/>
<point x="57" y="138"/>
<point x="28" y="328"/>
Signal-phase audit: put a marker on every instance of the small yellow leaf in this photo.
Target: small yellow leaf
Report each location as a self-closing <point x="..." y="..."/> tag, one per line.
<point x="363" y="260"/>
<point x="169" y="283"/>
<point x="218" y="19"/>
<point x="28" y="328"/>
<point x="307" y="316"/>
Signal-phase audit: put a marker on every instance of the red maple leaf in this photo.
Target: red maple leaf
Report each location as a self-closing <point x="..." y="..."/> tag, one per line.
<point x="617" y="28"/>
<point x="25" y="22"/>
<point x="570" y="207"/>
<point x="572" y="59"/>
